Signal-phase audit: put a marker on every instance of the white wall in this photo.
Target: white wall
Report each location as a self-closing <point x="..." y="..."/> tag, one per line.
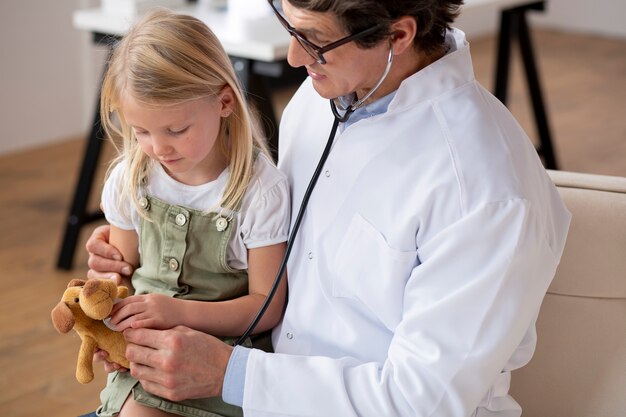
<point x="599" y="17"/>
<point x="49" y="71"/>
<point x="43" y="67"/>
<point x="602" y="17"/>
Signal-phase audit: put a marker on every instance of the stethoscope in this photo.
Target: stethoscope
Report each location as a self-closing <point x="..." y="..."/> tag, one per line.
<point x="336" y="109"/>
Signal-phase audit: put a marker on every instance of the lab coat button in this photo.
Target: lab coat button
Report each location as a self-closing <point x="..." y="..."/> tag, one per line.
<point x="310" y="255"/>
<point x="173" y="264"/>
<point x="327" y="173"/>
<point x="181" y="219"/>
<point x="289" y="336"/>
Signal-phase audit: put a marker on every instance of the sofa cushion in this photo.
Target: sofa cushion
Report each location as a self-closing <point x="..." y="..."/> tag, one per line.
<point x="594" y="259"/>
<point x="579" y="366"/>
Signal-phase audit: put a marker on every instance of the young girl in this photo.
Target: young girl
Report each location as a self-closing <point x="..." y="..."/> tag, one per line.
<point x="193" y="200"/>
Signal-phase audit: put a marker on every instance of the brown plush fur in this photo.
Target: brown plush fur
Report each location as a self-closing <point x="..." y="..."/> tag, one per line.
<point x="83" y="306"/>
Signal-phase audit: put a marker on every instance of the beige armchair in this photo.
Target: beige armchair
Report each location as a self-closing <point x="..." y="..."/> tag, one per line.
<point x="579" y="367"/>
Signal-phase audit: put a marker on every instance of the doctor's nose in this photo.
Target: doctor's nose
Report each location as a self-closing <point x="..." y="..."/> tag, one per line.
<point x="297" y="56"/>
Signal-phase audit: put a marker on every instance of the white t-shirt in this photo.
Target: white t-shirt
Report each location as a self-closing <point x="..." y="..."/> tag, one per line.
<point x="262" y="220"/>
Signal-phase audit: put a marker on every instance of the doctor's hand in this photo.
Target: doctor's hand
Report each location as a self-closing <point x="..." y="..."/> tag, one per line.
<point x="105" y="261"/>
<point x="179" y="363"/>
<point x="102" y="356"/>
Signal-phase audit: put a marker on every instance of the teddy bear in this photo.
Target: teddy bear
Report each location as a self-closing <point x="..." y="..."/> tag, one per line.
<point x="83" y="307"/>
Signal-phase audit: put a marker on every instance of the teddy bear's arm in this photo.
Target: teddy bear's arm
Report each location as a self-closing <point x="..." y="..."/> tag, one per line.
<point x="84" y="367"/>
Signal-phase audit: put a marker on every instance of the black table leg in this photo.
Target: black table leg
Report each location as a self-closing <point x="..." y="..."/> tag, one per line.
<point x="514" y="26"/>
<point x="534" y="88"/>
<point x="78" y="215"/>
<point x="503" y="57"/>
<point x="259" y="96"/>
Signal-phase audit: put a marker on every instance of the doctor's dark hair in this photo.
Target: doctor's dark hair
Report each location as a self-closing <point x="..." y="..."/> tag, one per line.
<point x="433" y="18"/>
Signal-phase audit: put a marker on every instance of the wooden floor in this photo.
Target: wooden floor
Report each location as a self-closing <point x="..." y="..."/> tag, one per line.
<point x="585" y="88"/>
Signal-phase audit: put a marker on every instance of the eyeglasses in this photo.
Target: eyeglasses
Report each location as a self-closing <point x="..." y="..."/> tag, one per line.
<point x="317" y="52"/>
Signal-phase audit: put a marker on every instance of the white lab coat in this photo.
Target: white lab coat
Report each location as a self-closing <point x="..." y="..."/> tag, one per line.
<point x="418" y="273"/>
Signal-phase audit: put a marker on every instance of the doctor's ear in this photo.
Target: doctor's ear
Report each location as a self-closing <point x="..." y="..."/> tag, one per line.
<point x="403" y="33"/>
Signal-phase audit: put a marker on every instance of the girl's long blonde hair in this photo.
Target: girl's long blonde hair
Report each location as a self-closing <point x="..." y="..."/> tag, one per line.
<point x="166" y="59"/>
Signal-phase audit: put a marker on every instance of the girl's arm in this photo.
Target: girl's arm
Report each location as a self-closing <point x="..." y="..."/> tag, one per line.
<point x="127" y="242"/>
<point x="232" y="317"/>
<point x="218" y="318"/>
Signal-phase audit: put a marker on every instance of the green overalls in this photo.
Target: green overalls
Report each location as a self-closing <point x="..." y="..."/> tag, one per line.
<point x="185" y="250"/>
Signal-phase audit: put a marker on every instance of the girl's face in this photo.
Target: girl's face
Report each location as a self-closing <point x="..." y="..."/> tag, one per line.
<point x="182" y="137"/>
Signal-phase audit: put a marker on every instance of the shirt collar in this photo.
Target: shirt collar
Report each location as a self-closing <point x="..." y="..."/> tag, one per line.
<point x="440" y="77"/>
<point x="454" y="38"/>
<point x="372" y="109"/>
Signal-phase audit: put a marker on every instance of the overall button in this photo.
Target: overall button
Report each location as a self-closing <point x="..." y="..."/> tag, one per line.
<point x="221" y="224"/>
<point x="181" y="219"/>
<point x="144" y="203"/>
<point x="173" y="264"/>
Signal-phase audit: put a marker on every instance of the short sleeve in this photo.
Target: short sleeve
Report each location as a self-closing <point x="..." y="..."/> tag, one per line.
<point x="117" y="208"/>
<point x="266" y="218"/>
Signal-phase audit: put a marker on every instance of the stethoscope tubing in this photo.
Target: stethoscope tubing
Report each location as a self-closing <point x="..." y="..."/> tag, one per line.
<point x="339" y="118"/>
<point x="296" y="226"/>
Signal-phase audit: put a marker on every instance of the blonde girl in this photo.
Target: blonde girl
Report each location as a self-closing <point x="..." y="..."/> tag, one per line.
<point x="194" y="201"/>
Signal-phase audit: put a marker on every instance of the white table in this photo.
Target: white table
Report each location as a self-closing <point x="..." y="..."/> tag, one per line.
<point x="258" y="49"/>
<point x="261" y="39"/>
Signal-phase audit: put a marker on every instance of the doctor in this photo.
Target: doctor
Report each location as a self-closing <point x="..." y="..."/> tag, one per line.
<point x="429" y="242"/>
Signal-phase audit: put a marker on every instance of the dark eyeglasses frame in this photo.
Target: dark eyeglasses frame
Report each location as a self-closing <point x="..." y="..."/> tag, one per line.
<point x="317" y="52"/>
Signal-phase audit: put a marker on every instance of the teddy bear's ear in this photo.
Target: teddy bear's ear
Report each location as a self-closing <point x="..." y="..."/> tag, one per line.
<point x="62" y="318"/>
<point x="76" y="283"/>
<point x="94" y="286"/>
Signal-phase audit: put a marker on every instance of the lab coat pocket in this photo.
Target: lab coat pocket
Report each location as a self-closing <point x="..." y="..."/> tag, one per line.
<point x="372" y="272"/>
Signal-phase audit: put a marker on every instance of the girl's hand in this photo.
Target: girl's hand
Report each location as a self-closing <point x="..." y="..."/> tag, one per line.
<point x="102" y="356"/>
<point x="154" y="311"/>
